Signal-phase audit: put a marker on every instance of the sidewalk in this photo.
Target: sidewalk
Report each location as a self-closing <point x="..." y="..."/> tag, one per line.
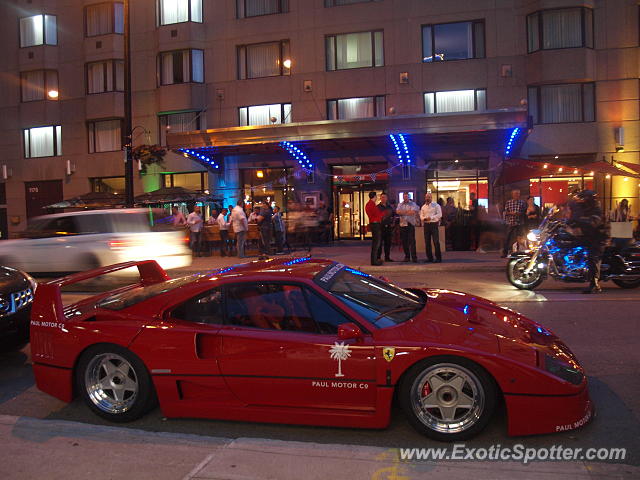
<point x="356" y="254"/>
<point x="55" y="449"/>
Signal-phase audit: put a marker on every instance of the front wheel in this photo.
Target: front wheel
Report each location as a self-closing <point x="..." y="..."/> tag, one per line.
<point x="448" y="398"/>
<point x="622" y="283"/>
<point x="519" y="278"/>
<point x="114" y="383"/>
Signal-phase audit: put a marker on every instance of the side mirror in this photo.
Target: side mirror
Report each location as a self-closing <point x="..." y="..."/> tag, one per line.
<point x="347" y="331"/>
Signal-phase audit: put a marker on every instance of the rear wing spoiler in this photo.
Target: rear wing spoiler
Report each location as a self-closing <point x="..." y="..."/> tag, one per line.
<point x="47" y="305"/>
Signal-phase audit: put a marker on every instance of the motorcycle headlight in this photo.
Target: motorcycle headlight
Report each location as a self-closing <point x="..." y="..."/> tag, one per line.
<point x="533" y="235"/>
<point x="562" y="370"/>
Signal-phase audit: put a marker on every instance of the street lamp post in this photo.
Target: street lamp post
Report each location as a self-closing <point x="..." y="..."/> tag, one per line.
<point x="128" y="161"/>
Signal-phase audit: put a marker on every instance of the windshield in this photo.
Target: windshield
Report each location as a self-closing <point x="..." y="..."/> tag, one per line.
<point x="380" y="303"/>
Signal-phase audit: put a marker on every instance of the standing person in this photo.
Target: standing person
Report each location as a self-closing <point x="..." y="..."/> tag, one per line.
<point x="532" y="214"/>
<point x="430" y="215"/>
<point x="253" y="216"/>
<point x="408" y="212"/>
<point x="224" y="232"/>
<point x="474" y="221"/>
<point x="177" y="217"/>
<point x="449" y="213"/>
<point x="266" y="229"/>
<point x="278" y="229"/>
<point x="589" y="226"/>
<point x="194" y="220"/>
<point x="386" y="226"/>
<point x="513" y="215"/>
<point x="213" y="219"/>
<point x="240" y="226"/>
<point x="375" y="216"/>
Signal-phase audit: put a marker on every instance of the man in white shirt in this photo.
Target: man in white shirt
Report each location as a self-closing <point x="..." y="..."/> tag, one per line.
<point x="194" y="220"/>
<point x="430" y="215"/>
<point x="408" y="211"/>
<point x="224" y="232"/>
<point x="240" y="226"/>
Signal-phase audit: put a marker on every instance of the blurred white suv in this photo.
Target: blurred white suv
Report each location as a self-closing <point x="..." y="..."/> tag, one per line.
<point x="77" y="241"/>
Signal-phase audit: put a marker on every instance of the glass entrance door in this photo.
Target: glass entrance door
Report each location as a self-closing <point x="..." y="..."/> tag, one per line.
<point x="351" y="220"/>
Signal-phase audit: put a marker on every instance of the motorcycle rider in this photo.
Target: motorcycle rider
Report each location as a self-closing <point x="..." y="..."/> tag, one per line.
<point x="589" y="226"/>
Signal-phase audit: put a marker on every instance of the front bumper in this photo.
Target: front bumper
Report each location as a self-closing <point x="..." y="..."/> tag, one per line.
<point x="537" y="414"/>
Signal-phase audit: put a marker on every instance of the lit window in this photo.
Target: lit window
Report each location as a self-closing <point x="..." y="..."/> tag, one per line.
<point x="43" y="141"/>
<point x="107" y="184"/>
<point x="455" y="101"/>
<point x="181" y="66"/>
<point x="39" y="85"/>
<point x="38" y="30"/>
<point x="264" y="60"/>
<point x="351" y="108"/>
<point x="560" y="28"/>
<point x="104" y="18"/>
<point x="336" y="3"/>
<point x="178" y="11"/>
<point x="453" y="41"/>
<point x="265" y="114"/>
<point x="105" y="76"/>
<point x="254" y="8"/>
<point x="566" y="103"/>
<point x="179" y="122"/>
<point x="105" y="135"/>
<point x="354" y="50"/>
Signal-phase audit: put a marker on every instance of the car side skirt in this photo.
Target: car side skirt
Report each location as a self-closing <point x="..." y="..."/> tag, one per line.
<point x="56" y="381"/>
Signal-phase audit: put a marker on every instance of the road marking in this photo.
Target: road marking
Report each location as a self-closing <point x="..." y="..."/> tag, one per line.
<point x="198" y="467"/>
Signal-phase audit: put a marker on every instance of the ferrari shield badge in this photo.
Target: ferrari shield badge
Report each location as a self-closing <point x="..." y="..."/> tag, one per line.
<point x="388" y="353"/>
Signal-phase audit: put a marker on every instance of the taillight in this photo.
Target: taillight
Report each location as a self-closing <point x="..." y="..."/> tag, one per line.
<point x="123" y="244"/>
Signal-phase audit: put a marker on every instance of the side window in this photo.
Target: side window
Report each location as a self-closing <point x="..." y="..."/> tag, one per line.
<point x="55" y="227"/>
<point x="205" y="308"/>
<point x="92" y="224"/>
<point x="65" y="226"/>
<point x="325" y="315"/>
<point x="270" y="306"/>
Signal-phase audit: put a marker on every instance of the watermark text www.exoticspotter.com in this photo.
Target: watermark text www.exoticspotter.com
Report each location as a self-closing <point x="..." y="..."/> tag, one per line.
<point x="515" y="453"/>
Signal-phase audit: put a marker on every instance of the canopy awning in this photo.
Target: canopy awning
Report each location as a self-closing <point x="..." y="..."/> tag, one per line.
<point x="633" y="167"/>
<point x="170" y="195"/>
<point x="91" y="200"/>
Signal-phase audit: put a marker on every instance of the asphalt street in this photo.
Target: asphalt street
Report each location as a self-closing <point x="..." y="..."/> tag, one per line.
<point x="602" y="330"/>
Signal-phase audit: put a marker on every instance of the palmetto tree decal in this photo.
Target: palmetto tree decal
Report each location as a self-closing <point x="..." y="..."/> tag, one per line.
<point x="340" y="352"/>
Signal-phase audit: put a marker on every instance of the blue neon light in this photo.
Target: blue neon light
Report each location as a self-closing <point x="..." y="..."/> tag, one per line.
<point x="297" y="154"/>
<point x="357" y="272"/>
<point x="297" y="260"/>
<point x="466" y="309"/>
<point x="204" y="154"/>
<point x="402" y="148"/>
<point x="510" y="142"/>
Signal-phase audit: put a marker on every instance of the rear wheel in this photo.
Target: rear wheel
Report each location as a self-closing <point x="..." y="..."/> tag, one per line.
<point x="520" y="278"/>
<point x="114" y="383"/>
<point x="626" y="283"/>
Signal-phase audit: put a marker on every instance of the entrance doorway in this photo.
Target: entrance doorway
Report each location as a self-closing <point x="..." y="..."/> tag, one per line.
<point x="41" y="194"/>
<point x="351" y="220"/>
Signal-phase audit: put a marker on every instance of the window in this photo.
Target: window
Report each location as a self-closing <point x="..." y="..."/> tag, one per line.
<point x="453" y="41"/>
<point x="38" y="30"/>
<point x="178" y="11"/>
<point x="455" y="101"/>
<point x="361" y="107"/>
<point x="562" y="103"/>
<point x="264" y="60"/>
<point x="39" y="85"/>
<point x="560" y="28"/>
<point x="196" y="181"/>
<point x="181" y="66"/>
<point x="336" y="3"/>
<point x="354" y="50"/>
<point x="265" y="114"/>
<point x="105" y="76"/>
<point x="254" y="8"/>
<point x="43" y="141"/>
<point x="103" y="19"/>
<point x="105" y="135"/>
<point x="179" y="122"/>
<point x="207" y="307"/>
<point x="107" y="184"/>
<point x="270" y="306"/>
<point x="327" y="317"/>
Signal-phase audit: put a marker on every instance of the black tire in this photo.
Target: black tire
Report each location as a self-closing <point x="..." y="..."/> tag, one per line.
<point x="530" y="282"/>
<point x="626" y="283"/>
<point x="89" y="262"/>
<point x="477" y="387"/>
<point x="129" y="380"/>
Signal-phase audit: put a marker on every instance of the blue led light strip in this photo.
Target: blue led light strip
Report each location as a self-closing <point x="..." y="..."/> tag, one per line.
<point x="204" y="155"/>
<point x="297" y="154"/>
<point x="510" y="142"/>
<point x="402" y="149"/>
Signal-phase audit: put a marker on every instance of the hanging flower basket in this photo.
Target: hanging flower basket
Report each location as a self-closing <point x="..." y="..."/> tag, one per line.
<point x="148" y="155"/>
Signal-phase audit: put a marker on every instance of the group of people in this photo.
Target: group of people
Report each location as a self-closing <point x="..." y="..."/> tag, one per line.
<point x="407" y="215"/>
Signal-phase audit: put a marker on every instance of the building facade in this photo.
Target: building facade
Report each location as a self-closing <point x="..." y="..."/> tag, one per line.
<point x="321" y="101"/>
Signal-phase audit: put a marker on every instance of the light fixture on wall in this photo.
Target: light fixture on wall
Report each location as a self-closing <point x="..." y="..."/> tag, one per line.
<point x="53" y="94"/>
<point x="6" y="172"/>
<point x="70" y="168"/>
<point x="618" y="133"/>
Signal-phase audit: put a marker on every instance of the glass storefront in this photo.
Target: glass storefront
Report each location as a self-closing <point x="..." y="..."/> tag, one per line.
<point x="268" y="185"/>
<point x="458" y="179"/>
<point x="549" y="191"/>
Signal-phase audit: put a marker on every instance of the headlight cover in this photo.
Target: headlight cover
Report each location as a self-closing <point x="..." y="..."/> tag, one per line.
<point x="562" y="370"/>
<point x="533" y="235"/>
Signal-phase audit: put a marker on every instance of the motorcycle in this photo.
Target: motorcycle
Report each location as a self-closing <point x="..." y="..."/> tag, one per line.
<point x="552" y="250"/>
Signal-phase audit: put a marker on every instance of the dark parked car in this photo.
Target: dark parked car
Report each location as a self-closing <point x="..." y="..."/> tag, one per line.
<point x="16" y="296"/>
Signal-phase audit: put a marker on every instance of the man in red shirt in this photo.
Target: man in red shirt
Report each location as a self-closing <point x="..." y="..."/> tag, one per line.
<point x="375" y="227"/>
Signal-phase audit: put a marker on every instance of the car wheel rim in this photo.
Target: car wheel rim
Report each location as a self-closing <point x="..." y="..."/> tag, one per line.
<point x="447" y="398"/>
<point x="111" y="383"/>
<point x="518" y="273"/>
